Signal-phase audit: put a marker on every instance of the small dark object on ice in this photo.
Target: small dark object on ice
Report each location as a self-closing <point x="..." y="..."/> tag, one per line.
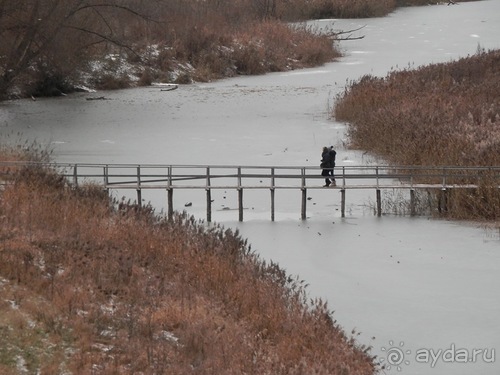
<point x="98" y="98"/>
<point x="189" y="204"/>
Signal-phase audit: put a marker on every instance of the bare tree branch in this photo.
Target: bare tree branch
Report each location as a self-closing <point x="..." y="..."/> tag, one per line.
<point x="349" y="36"/>
<point x="32" y="29"/>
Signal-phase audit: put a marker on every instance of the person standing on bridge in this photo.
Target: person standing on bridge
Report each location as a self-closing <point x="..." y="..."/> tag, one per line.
<point x="327" y="164"/>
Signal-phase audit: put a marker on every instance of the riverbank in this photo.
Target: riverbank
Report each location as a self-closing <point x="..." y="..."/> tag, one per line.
<point x="137" y="44"/>
<point x="89" y="286"/>
<point x="441" y="114"/>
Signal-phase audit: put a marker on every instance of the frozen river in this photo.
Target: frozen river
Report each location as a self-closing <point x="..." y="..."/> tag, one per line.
<point x="424" y="290"/>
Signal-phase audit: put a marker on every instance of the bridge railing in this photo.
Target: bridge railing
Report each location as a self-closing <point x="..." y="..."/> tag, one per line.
<point x="146" y="176"/>
<point x="209" y="177"/>
<point x="154" y="176"/>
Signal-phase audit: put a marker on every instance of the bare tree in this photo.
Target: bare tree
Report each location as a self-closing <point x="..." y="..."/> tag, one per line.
<point x="57" y="32"/>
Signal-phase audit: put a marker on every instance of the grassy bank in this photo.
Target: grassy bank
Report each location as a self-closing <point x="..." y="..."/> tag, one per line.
<point x="87" y="287"/>
<point x="442" y="114"/>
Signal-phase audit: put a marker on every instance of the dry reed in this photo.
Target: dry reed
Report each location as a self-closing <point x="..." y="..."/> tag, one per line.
<point x="93" y="287"/>
<point x="442" y="114"/>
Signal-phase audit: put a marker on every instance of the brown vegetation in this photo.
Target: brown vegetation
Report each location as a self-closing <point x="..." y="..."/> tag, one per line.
<point x="442" y="114"/>
<point x="87" y="288"/>
<point x="53" y="47"/>
<point x="294" y="10"/>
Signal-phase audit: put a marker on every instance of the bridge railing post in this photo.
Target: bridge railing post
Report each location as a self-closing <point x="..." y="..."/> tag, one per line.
<point x="139" y="191"/>
<point x="272" y="193"/>
<point x="303" y="214"/>
<point x="106" y="175"/>
<point x="209" y="197"/>
<point x="170" y="194"/>
<point x="378" y="194"/>
<point x="342" y="194"/>
<point x="413" y="211"/>
<point x="75" y="176"/>
<point x="106" y="178"/>
<point x="240" y="196"/>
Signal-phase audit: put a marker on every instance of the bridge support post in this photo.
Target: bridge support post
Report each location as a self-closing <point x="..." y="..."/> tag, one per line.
<point x="139" y="192"/>
<point x="443" y="201"/>
<point x="272" y="194"/>
<point x="209" y="206"/>
<point x="209" y="197"/>
<point x="170" y="203"/>
<point x="75" y="176"/>
<point x="303" y="215"/>
<point x="106" y="178"/>
<point x="240" y="204"/>
<point x="379" y="203"/>
<point x="139" y="197"/>
<point x="412" y="202"/>
<point x="272" y="204"/>
<point x="342" y="202"/>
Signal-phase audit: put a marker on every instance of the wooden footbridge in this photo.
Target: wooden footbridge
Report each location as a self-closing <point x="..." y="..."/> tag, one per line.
<point x="243" y="178"/>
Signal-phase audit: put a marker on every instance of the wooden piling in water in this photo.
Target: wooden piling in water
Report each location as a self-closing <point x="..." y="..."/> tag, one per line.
<point x="342" y="202"/>
<point x="209" y="205"/>
<point x="240" y="204"/>
<point x="106" y="177"/>
<point x="75" y="176"/>
<point x="303" y="209"/>
<point x="139" y="192"/>
<point x="412" y="202"/>
<point x="240" y="196"/>
<point x="379" y="203"/>
<point x="272" y="203"/>
<point x="443" y="201"/>
<point x="209" y="197"/>
<point x="139" y="197"/>
<point x="170" y="203"/>
<point x="303" y="188"/>
<point x="272" y="194"/>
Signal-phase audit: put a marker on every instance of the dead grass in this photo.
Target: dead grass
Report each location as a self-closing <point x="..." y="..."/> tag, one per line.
<point x="88" y="288"/>
<point x="443" y="114"/>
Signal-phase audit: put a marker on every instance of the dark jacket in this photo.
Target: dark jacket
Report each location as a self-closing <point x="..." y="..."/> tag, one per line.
<point x="328" y="159"/>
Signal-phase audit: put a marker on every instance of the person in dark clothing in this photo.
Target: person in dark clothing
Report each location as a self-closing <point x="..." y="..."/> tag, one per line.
<point x="327" y="164"/>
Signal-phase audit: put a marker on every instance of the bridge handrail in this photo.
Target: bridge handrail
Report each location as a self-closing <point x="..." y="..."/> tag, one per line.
<point x="173" y="175"/>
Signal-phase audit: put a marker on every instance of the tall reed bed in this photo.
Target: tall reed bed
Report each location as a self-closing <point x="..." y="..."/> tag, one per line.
<point x="92" y="287"/>
<point x="442" y="114"/>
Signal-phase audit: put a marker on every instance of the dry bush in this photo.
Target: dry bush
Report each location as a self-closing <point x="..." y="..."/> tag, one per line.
<point x="443" y="114"/>
<point x="169" y="41"/>
<point x="403" y="3"/>
<point x="130" y="291"/>
<point x="273" y="46"/>
<point x="218" y="50"/>
<point x="316" y="9"/>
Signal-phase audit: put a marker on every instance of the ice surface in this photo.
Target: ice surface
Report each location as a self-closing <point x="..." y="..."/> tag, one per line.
<point x="426" y="284"/>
